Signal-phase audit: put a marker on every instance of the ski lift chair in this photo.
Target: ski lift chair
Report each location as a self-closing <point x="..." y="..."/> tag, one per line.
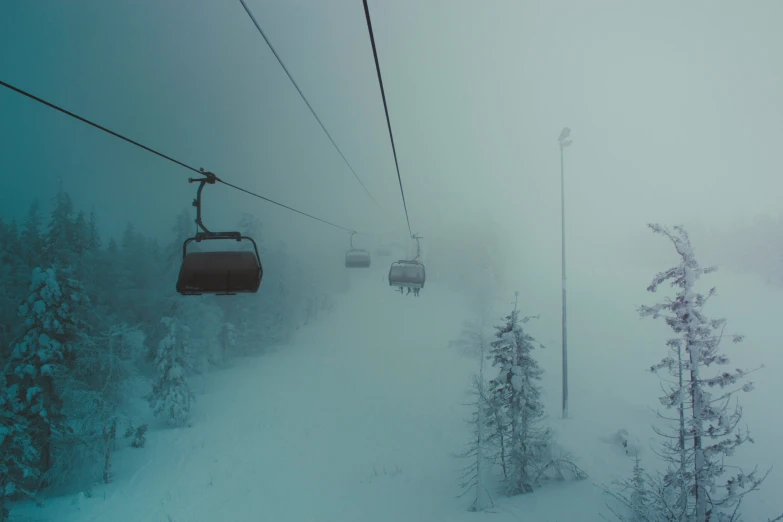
<point x="221" y="272"/>
<point x="407" y="274"/>
<point x="356" y="257"/>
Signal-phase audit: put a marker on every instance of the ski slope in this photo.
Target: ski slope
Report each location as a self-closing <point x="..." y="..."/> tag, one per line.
<point x="357" y="419"/>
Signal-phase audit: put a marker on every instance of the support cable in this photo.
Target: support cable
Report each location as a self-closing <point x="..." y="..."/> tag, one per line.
<point x="164" y="156"/>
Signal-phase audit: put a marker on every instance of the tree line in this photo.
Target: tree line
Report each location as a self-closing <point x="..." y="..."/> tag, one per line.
<point x="87" y="328"/>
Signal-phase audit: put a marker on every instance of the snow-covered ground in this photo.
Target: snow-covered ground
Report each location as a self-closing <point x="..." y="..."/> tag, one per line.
<point x="359" y="417"/>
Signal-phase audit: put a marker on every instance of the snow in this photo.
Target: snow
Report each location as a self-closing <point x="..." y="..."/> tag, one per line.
<point x="350" y="423"/>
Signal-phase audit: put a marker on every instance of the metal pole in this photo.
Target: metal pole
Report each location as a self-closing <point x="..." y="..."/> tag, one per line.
<point x="565" y="336"/>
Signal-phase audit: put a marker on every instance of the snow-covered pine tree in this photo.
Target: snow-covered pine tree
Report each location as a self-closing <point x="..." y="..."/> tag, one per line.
<point x="94" y="236"/>
<point x="53" y="318"/>
<point x="515" y="398"/>
<point x="705" y="432"/>
<point x="171" y="396"/>
<point x="58" y="241"/>
<point x="8" y="296"/>
<point x="516" y="390"/>
<point x="14" y="282"/>
<point x="85" y="253"/>
<point x="18" y="456"/>
<point x="31" y="237"/>
<point x="473" y="340"/>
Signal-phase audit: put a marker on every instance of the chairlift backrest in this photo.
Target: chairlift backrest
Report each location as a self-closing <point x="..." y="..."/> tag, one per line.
<point x="219" y="272"/>
<point x="410" y="274"/>
<point x="356" y="258"/>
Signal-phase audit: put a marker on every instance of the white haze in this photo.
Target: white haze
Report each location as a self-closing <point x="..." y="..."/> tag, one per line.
<point x="675" y="111"/>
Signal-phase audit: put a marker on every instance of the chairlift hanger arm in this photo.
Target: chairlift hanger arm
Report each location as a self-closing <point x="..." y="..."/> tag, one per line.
<point x="210" y="178"/>
<point x="418" y="245"/>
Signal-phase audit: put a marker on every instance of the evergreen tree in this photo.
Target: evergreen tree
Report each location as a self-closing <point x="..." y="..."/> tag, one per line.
<point x="15" y="270"/>
<point x="32" y="237"/>
<point x="517" y="411"/>
<point x="58" y="241"/>
<point x="516" y="389"/>
<point x="10" y="286"/>
<point x="80" y="234"/>
<point x="18" y="456"/>
<point x="53" y="319"/>
<point x="171" y="396"/>
<point x="94" y="237"/>
<point x="708" y="435"/>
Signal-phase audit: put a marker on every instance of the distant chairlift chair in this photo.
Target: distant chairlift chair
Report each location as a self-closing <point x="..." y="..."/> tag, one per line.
<point x="356" y="257"/>
<point x="408" y="273"/>
<point x="224" y="272"/>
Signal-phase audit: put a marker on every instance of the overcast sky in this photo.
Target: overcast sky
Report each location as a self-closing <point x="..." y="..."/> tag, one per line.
<point x="675" y="110"/>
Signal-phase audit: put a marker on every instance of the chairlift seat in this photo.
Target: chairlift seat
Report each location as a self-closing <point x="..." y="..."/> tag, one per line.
<point x="222" y="273"/>
<point x="407" y="274"/>
<point x="357" y="258"/>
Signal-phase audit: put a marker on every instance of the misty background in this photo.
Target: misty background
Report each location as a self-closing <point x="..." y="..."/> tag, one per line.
<point x="675" y="111"/>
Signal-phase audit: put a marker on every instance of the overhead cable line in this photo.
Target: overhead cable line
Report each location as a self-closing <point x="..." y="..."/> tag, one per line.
<point x="386" y="108"/>
<point x="280" y="61"/>
<point x="164" y="156"/>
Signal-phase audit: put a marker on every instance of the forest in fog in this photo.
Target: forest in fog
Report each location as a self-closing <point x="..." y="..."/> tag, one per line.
<point x="90" y="327"/>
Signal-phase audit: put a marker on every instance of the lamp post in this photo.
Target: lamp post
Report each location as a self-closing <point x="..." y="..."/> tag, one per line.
<point x="564" y="142"/>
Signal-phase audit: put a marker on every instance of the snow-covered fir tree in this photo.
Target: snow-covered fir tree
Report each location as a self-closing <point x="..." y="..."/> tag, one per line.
<point x="699" y="484"/>
<point x="515" y="389"/>
<point x="59" y="239"/>
<point x="517" y="411"/>
<point x="31" y="236"/>
<point x="171" y="396"/>
<point x="53" y="315"/>
<point x="18" y="455"/>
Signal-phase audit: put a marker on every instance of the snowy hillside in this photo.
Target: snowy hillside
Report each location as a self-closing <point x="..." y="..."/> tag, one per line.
<point x="358" y="419"/>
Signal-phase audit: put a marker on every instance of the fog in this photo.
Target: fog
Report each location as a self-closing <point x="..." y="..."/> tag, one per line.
<point x="675" y="113"/>
<point x="673" y="109"/>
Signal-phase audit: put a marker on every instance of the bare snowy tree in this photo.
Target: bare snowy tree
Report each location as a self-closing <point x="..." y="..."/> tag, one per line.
<point x="636" y="495"/>
<point x="474" y="341"/>
<point x="705" y="431"/>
